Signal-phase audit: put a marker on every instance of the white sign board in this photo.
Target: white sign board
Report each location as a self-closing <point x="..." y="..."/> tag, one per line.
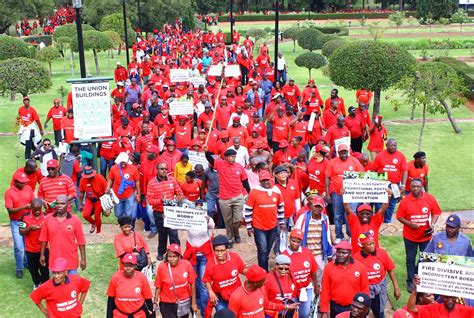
<point x="179" y="75"/>
<point x="197" y="80"/>
<point x="91" y="102"/>
<point x="215" y="70"/>
<point x="181" y="108"/>
<point x="181" y="218"/>
<point x="198" y="158"/>
<point x="232" y="71"/>
<point x="447" y="275"/>
<point x="342" y="141"/>
<point x="367" y="187"/>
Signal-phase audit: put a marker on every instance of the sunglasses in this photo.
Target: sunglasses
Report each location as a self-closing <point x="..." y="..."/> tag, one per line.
<point x="51" y="169"/>
<point x="281" y="268"/>
<point x="46" y="144"/>
<point x="162" y="168"/>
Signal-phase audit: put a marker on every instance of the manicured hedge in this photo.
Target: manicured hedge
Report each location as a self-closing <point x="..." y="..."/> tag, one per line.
<point x="341" y="31"/>
<point x="465" y="71"/>
<point x="314" y="16"/>
<point x="37" y="39"/>
<point x="428" y="44"/>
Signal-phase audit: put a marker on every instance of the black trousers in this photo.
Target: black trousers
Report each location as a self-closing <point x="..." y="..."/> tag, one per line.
<point x="336" y="309"/>
<point x="169" y="310"/>
<point x="164" y="233"/>
<point x="39" y="274"/>
<point x="30" y="145"/>
<point x="58" y="136"/>
<point x="375" y="306"/>
<point x="356" y="144"/>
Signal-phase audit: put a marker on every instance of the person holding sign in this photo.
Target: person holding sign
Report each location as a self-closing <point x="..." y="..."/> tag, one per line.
<point x="418" y="212"/>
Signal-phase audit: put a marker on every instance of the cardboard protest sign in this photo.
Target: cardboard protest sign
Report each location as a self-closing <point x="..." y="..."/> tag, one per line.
<point x="215" y="70"/>
<point x="342" y="141"/>
<point x="448" y="275"/>
<point x="197" y="158"/>
<point x="232" y="71"/>
<point x="179" y="75"/>
<point x="178" y="107"/>
<point x="369" y="187"/>
<point x="184" y="218"/>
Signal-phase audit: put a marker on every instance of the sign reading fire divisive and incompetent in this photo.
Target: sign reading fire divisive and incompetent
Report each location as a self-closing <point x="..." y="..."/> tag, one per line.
<point x="448" y="275"/>
<point x="184" y="218"/>
<point x="91" y="110"/>
<point x="365" y="187"/>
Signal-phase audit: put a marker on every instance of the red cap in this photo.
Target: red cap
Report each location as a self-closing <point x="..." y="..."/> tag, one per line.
<point x="145" y="113"/>
<point x="236" y="119"/>
<point x="365" y="237"/>
<point x="320" y="148"/>
<point x="56" y="100"/>
<point x="135" y="105"/>
<point x="311" y="81"/>
<point x="195" y="143"/>
<point x="255" y="273"/>
<point x="170" y="143"/>
<point x="59" y="265"/>
<point x="20" y="177"/>
<point x="343" y="147"/>
<point x="129" y="258"/>
<point x="264" y="175"/>
<point x="364" y="207"/>
<point x="175" y="248"/>
<point x="344" y="245"/>
<point x="315" y="200"/>
<point x="297" y="233"/>
<point x="283" y="144"/>
<point x="26" y="97"/>
<point x="357" y="155"/>
<point x="53" y="163"/>
<point x="402" y="313"/>
<point x="153" y="148"/>
<point x="202" y="131"/>
<point x="379" y="117"/>
<point x="182" y="117"/>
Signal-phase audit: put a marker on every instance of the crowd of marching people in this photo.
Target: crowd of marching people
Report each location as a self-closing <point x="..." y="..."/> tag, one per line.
<point x="275" y="168"/>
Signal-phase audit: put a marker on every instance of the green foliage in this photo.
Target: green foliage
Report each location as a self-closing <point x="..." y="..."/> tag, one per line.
<point x="69" y="31"/>
<point x="23" y="75"/>
<point x="374" y="65"/>
<point x="114" y="22"/>
<point x="307" y="39"/>
<point x="93" y="40"/>
<point x="330" y="46"/>
<point x="435" y="9"/>
<point x="48" y="54"/>
<point x="37" y="39"/>
<point x="95" y="10"/>
<point x="114" y="36"/>
<point x="444" y="21"/>
<point x="13" y="10"/>
<point x="11" y="47"/>
<point x="323" y="39"/>
<point x="376" y="31"/>
<point x="62" y="43"/>
<point x="385" y="3"/>
<point x="257" y="34"/>
<point x="397" y="18"/>
<point x="465" y="71"/>
<point x="291" y="33"/>
<point x="206" y="6"/>
<point x="429" y="44"/>
<point x="310" y="60"/>
<point x="460" y="17"/>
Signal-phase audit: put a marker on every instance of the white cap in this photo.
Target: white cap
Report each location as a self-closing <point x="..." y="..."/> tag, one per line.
<point x="119" y="63"/>
<point x="122" y="157"/>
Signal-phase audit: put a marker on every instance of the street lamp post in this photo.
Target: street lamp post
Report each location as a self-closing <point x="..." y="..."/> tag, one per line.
<point x="231" y="19"/>
<point x="125" y="29"/>
<point x="139" y="18"/>
<point x="277" y="17"/>
<point x="77" y="5"/>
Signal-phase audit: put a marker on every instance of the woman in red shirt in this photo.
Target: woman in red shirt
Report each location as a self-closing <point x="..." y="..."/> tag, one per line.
<point x="378" y="134"/>
<point x="175" y="278"/>
<point x="129" y="241"/>
<point x="191" y="187"/>
<point x="129" y="291"/>
<point x="92" y="186"/>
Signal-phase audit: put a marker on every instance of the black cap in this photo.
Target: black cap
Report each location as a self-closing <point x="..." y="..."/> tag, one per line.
<point x="279" y="169"/>
<point x="220" y="240"/>
<point x="419" y="154"/>
<point x="230" y="152"/>
<point x="362" y="298"/>
<point x="224" y="313"/>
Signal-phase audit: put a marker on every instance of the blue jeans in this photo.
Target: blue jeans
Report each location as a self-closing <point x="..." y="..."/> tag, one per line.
<point x="411" y="251"/>
<point x="126" y="207"/>
<point x="105" y="166"/>
<point x="213" y="208"/>
<point x="264" y="240"/>
<point x="221" y="304"/>
<point x="390" y="209"/>
<point x="72" y="271"/>
<point x="18" y="245"/>
<point x="305" y="306"/>
<point x="151" y="218"/>
<point x="339" y="215"/>
<point x="282" y="79"/>
<point x="202" y="294"/>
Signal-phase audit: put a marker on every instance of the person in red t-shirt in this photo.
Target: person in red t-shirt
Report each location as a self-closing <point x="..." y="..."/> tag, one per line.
<point x="129" y="291"/>
<point x="418" y="169"/>
<point x="378" y="264"/>
<point x="67" y="126"/>
<point x="64" y="294"/>
<point x="363" y="96"/>
<point x="377" y="136"/>
<point x="264" y="211"/>
<point x="337" y="131"/>
<point x="27" y="116"/>
<point x="91" y="187"/>
<point x="191" y="187"/>
<point x="57" y="112"/>
<point x="32" y="173"/>
<point x="356" y="127"/>
<point x="359" y="308"/>
<point x="335" y="99"/>
<point x="30" y="228"/>
<point x="418" y="212"/>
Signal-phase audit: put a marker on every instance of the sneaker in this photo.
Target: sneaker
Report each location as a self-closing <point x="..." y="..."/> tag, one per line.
<point x="152" y="234"/>
<point x="238" y="239"/>
<point x="337" y="241"/>
<point x="160" y="258"/>
<point x="35" y="286"/>
<point x="410" y="287"/>
<point x="19" y="274"/>
<point x="230" y="245"/>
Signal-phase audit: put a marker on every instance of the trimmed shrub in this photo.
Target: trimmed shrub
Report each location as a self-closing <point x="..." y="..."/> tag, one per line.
<point x="307" y="38"/>
<point x="330" y="46"/>
<point x="323" y="39"/>
<point x="464" y="71"/>
<point x="11" y="47"/>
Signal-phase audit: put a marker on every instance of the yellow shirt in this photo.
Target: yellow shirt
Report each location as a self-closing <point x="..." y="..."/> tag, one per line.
<point x="180" y="171"/>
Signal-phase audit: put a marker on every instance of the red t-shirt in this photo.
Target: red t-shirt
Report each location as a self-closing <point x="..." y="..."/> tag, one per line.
<point x="316" y="174"/>
<point x="129" y="292"/>
<point x="265" y="208"/>
<point x="355" y="126"/>
<point x="247" y="304"/>
<point x="50" y="188"/>
<point x="329" y="118"/>
<point x="107" y="150"/>
<point x="67" y="124"/>
<point x="57" y="114"/>
<point x="335" y="171"/>
<point x="302" y="266"/>
<point x="416" y="173"/>
<point x="376" y="139"/>
<point x="191" y="190"/>
<point x="358" y="228"/>
<point x="130" y="173"/>
<point x="62" y="300"/>
<point x="230" y="179"/>
<point x="280" y="157"/>
<point x="15" y="198"/>
<point x="335" y="133"/>
<point x="35" y="177"/>
<point x="183" y="276"/>
<point x="183" y="135"/>
<point x="64" y="238"/>
<point x="28" y="116"/>
<point x="436" y="310"/>
<point x="32" y="242"/>
<point x="291" y="94"/>
<point x="340" y="105"/>
<point x="273" y="291"/>
<point x="419" y="211"/>
<point x="377" y="264"/>
<point x="290" y="194"/>
<point x="224" y="277"/>
<point x="300" y="128"/>
<point x="394" y="164"/>
<point x="281" y="128"/>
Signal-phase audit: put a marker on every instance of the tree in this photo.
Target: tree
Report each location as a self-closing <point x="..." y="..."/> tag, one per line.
<point x="397" y="18"/>
<point x="206" y="6"/>
<point x="11" y="47"/>
<point x="460" y="17"/>
<point x="48" y="54"/>
<point x="436" y="8"/>
<point x="323" y="39"/>
<point x="116" y="41"/>
<point x="331" y="46"/>
<point x="386" y="3"/>
<point x="69" y="30"/>
<point x="96" y="41"/>
<point x="23" y="75"/>
<point x="307" y="38"/>
<point x="13" y="10"/>
<point x="437" y="88"/>
<point x="373" y="65"/>
<point x="114" y="22"/>
<point x="310" y="60"/>
<point x="63" y="44"/>
<point x="292" y="33"/>
<point x="95" y="10"/>
<point x="257" y="34"/>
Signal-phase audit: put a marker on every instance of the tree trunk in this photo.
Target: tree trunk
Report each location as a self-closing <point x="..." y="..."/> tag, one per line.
<point x="423" y="121"/>
<point x="119" y="50"/>
<point x="309" y="73"/>
<point x="64" y="61"/>
<point x="376" y="108"/>
<point x="50" y="70"/>
<point x="96" y="62"/>
<point x="12" y="95"/>
<point x="456" y="128"/>
<point x="400" y="5"/>
<point x="294" y="46"/>
<point x="72" y="63"/>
